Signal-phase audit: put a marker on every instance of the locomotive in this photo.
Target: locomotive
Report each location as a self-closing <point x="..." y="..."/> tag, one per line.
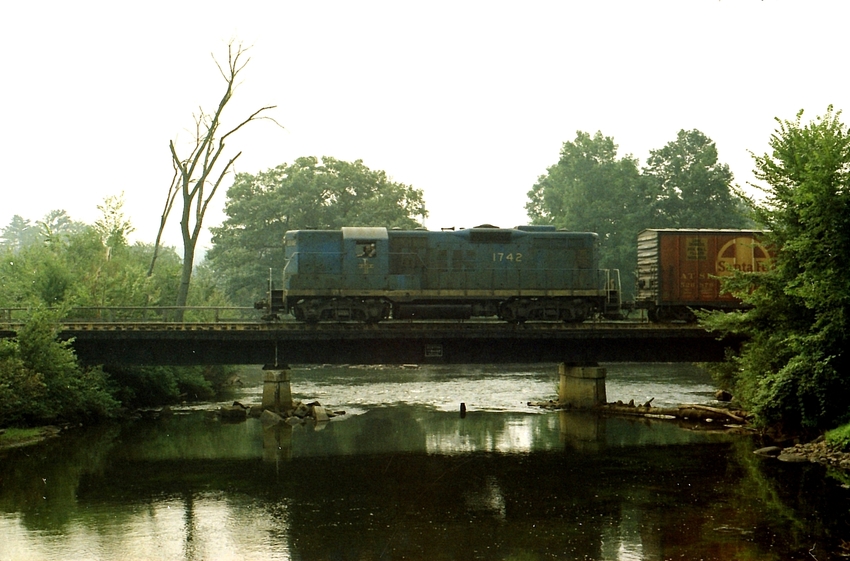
<point x="517" y="274"/>
<point x="370" y="274"/>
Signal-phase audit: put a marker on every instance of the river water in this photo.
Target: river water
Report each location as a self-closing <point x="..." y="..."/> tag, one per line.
<point x="403" y="476"/>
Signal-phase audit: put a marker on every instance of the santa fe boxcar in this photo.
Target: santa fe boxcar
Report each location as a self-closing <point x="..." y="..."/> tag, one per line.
<point x="680" y="269"/>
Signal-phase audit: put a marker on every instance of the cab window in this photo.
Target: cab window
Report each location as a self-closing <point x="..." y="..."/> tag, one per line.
<point x="365" y="249"/>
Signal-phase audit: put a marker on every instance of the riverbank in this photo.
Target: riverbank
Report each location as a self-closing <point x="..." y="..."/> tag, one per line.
<point x="13" y="438"/>
<point x="818" y="451"/>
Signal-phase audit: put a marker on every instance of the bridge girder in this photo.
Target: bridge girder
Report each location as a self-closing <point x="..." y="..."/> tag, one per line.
<point x="395" y="343"/>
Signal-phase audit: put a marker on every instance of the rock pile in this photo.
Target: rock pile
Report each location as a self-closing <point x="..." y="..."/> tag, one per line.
<point x="299" y="414"/>
<point x="820" y="452"/>
<point x="817" y="451"/>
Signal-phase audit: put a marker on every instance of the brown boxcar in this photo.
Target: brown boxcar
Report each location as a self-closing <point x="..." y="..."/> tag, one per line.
<point x="680" y="269"/>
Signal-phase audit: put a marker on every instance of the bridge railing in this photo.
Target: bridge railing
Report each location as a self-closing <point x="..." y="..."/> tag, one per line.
<point x="142" y="314"/>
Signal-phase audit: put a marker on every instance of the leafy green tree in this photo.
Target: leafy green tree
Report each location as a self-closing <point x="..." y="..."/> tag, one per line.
<point x="57" y="225"/>
<point x="793" y="371"/>
<point x="152" y="386"/>
<point x="34" y="275"/>
<point x="305" y="194"/>
<point x="70" y="265"/>
<point x="693" y="189"/>
<point x="17" y="234"/>
<point x="41" y="381"/>
<point x="80" y="265"/>
<point x="112" y="225"/>
<point x="53" y="228"/>
<point x="591" y="189"/>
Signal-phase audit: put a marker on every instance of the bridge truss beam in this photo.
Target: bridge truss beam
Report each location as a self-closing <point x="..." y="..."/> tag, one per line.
<point x="394" y="343"/>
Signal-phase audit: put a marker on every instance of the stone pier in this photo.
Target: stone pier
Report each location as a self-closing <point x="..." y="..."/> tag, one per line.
<point x="581" y="386"/>
<point x="277" y="388"/>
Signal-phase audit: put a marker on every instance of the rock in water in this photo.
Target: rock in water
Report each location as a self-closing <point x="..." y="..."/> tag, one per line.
<point x="319" y="414"/>
<point x="722" y="395"/>
<point x="270" y="418"/>
<point x="232" y="413"/>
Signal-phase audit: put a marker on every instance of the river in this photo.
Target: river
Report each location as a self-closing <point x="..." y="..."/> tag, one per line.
<point x="401" y="475"/>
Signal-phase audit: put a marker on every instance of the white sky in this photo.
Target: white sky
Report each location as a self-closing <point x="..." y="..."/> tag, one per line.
<point x="468" y="101"/>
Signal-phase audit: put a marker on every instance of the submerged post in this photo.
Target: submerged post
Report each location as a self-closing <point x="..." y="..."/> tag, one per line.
<point x="581" y="386"/>
<point x="277" y="388"/>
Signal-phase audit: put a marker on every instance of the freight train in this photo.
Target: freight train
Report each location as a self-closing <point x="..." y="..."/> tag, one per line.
<point x="370" y="274"/>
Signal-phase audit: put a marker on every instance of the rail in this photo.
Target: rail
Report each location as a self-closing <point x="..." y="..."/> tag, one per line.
<point x="140" y="314"/>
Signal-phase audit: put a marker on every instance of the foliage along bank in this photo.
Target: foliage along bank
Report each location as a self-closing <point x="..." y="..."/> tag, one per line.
<point x="57" y="264"/>
<point x="42" y="382"/>
<point x="794" y="372"/>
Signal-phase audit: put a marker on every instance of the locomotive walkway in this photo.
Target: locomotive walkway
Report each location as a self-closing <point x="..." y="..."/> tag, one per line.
<point x="215" y="339"/>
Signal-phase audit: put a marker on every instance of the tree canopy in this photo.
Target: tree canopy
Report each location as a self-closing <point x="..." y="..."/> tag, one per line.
<point x="592" y="189"/>
<point x="794" y="369"/>
<point x="692" y="189"/>
<point x="307" y="193"/>
<point x="59" y="264"/>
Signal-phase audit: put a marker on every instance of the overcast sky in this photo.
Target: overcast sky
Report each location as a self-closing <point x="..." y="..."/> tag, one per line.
<point x="468" y="101"/>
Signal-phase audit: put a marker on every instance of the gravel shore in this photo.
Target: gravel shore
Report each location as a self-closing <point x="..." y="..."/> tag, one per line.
<point x="817" y="452"/>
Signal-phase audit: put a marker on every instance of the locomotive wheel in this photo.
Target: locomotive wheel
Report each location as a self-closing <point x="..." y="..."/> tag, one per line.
<point x="514" y="311"/>
<point x="576" y="311"/>
<point x="304" y="311"/>
<point x="341" y="309"/>
<point x="545" y="309"/>
<point x="375" y="310"/>
<point x="573" y="315"/>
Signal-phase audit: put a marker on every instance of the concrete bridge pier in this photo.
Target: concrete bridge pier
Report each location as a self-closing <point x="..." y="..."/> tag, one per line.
<point x="277" y="388"/>
<point x="581" y="386"/>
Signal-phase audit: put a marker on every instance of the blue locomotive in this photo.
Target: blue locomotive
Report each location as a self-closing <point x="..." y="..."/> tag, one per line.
<point x="515" y="274"/>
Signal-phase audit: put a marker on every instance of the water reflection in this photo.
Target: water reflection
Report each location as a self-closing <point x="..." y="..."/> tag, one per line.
<point x="412" y="481"/>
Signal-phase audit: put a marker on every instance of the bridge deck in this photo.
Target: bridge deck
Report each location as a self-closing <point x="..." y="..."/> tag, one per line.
<point x="458" y="342"/>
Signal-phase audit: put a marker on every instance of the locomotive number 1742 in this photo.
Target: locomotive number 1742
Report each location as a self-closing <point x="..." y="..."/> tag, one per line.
<point x="501" y="256"/>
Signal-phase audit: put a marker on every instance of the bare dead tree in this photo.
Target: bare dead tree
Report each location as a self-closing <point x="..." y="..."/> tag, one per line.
<point x="173" y="189"/>
<point x="198" y="176"/>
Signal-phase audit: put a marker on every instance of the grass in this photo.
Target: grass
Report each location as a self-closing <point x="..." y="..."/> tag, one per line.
<point x="12" y="437"/>
<point x="839" y="438"/>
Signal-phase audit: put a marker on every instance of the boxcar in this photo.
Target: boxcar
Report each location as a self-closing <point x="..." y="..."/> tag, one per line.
<point x="681" y="269"/>
<point x="516" y="274"/>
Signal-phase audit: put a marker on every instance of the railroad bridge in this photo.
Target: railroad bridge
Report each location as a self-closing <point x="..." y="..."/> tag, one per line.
<point x="577" y="347"/>
<point x="216" y="336"/>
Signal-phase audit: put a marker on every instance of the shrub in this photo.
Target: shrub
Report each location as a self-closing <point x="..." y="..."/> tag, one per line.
<point x="839" y="438"/>
<point x="42" y="382"/>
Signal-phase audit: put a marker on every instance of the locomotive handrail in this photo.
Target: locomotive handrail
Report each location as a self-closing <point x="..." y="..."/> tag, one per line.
<point x="613" y="286"/>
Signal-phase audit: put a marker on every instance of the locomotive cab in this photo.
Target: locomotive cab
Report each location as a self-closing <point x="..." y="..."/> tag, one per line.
<point x="364" y="258"/>
<point x="336" y="274"/>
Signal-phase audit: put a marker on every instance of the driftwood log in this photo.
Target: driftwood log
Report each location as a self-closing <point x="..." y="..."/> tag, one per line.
<point x="687" y="411"/>
<point x="690" y="411"/>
